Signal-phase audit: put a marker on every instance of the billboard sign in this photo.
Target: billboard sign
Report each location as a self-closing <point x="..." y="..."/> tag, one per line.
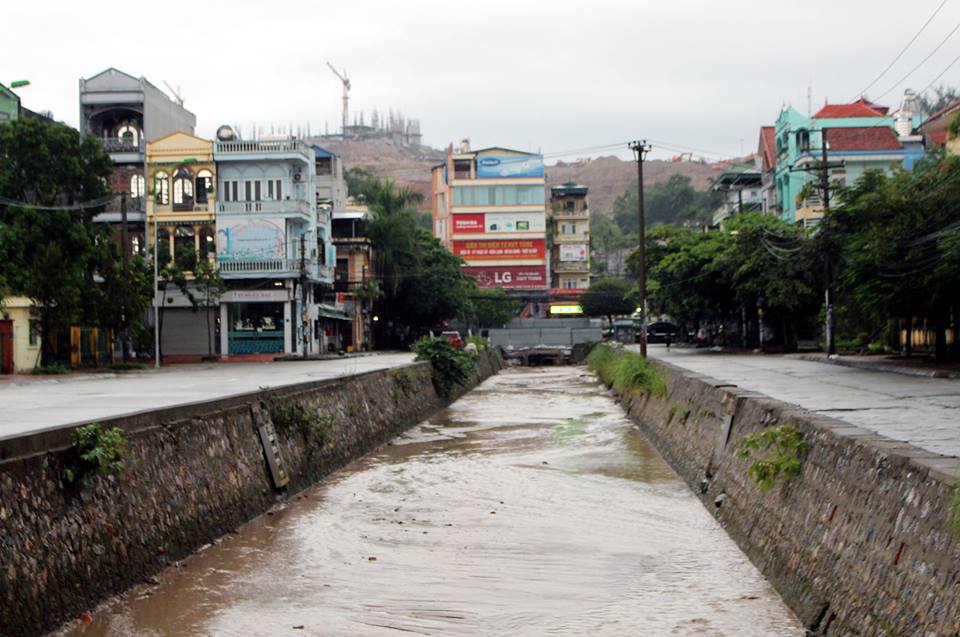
<point x="472" y="222"/>
<point x="515" y="222"/>
<point x="573" y="252"/>
<point x="250" y="239"/>
<point x="511" y="277"/>
<point x="500" y="166"/>
<point x="497" y="249"/>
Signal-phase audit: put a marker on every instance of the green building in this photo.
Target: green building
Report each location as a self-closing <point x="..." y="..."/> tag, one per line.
<point x="9" y="105"/>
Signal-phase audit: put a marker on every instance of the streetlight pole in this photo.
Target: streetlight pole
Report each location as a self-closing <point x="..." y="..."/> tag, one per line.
<point x="640" y="150"/>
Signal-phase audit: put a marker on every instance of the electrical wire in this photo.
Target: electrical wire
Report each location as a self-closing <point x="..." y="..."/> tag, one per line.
<point x="922" y="62"/>
<point x="934" y="80"/>
<point x="84" y="205"/>
<point x="900" y="54"/>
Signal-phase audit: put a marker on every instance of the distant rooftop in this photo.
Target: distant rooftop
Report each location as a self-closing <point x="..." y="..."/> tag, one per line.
<point x="860" y="108"/>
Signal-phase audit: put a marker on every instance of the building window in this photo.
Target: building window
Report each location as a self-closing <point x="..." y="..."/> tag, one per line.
<point x="163" y="247"/>
<point x="461" y="168"/>
<point x="184" y="249"/>
<point x="128" y="134"/>
<point x="182" y="189"/>
<point x="498" y="195"/>
<point x="137" y="186"/>
<point x="569" y="283"/>
<point x="161" y="188"/>
<point x="324" y="166"/>
<point x="34" y="333"/>
<point x="230" y="191"/>
<point x="803" y="140"/>
<point x="204" y="185"/>
<point x="207" y="242"/>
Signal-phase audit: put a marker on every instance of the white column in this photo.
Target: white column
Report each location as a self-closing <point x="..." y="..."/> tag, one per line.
<point x="224" y="331"/>
<point x="288" y="331"/>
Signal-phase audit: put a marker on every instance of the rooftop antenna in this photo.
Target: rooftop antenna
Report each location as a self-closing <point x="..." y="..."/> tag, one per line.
<point x="176" y="93"/>
<point x="346" y="96"/>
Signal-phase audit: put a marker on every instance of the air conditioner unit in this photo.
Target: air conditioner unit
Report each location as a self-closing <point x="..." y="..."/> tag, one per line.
<point x="297" y="176"/>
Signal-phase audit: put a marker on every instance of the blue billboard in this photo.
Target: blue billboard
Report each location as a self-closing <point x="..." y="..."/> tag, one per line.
<point x="500" y="166"/>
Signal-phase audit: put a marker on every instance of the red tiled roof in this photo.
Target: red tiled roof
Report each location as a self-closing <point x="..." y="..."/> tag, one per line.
<point x="860" y="108"/>
<point x="768" y="147"/>
<point x="863" y="138"/>
<point x="938" y="139"/>
<point x="952" y="106"/>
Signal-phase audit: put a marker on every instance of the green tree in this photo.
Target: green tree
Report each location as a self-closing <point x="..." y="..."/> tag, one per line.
<point x="48" y="243"/>
<point x="939" y="97"/>
<point x="210" y="286"/>
<point x="609" y="298"/>
<point x="493" y="307"/>
<point x="672" y="202"/>
<point x="361" y="183"/>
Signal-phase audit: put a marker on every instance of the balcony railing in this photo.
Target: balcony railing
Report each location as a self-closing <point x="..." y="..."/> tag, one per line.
<point x="267" y="266"/>
<point x="284" y="207"/>
<point x="121" y="145"/>
<point x="285" y="146"/>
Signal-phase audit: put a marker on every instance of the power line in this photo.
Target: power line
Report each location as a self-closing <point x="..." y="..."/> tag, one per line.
<point x="933" y="81"/>
<point x="84" y="205"/>
<point x="900" y="54"/>
<point x="922" y="62"/>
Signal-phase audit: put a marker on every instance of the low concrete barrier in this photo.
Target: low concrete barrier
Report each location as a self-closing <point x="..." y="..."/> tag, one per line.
<point x="858" y="544"/>
<point x="194" y="473"/>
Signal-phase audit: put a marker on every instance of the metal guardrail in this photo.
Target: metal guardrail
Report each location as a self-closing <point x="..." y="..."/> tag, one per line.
<point x="121" y="145"/>
<point x="263" y="146"/>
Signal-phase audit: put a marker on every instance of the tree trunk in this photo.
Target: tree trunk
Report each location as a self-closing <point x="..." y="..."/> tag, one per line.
<point x="908" y="345"/>
<point x="46" y="340"/>
<point x="941" y="347"/>
<point x="209" y="338"/>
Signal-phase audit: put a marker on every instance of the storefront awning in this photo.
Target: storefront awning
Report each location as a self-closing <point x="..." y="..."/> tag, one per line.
<point x="329" y="311"/>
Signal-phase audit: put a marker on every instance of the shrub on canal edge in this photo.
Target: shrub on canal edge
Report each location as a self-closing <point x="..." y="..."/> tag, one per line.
<point x="451" y="365"/>
<point x="96" y="452"/>
<point x="782" y="447"/>
<point x="625" y="371"/>
<point x="288" y="416"/>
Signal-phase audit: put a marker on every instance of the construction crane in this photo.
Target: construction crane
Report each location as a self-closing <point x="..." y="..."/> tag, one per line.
<point x="346" y="96"/>
<point x="176" y="93"/>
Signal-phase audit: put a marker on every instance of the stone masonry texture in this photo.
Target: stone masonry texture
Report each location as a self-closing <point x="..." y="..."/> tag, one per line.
<point x="194" y="473"/>
<point x="858" y="544"/>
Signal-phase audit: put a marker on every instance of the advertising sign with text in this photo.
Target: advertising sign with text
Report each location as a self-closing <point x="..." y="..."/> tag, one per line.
<point x="472" y="222"/>
<point x="515" y="222"/>
<point x="500" y="166"/>
<point x="250" y="239"/>
<point x="526" y="277"/>
<point x="573" y="252"/>
<point x="495" y="249"/>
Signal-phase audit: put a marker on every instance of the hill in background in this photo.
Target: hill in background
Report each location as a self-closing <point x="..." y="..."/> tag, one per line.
<point x="607" y="177"/>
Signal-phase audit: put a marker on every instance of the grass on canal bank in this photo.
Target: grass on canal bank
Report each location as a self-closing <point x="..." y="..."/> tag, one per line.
<point x="625" y="371"/>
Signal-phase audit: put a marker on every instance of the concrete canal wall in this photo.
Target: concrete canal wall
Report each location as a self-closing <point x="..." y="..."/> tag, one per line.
<point x="194" y="472"/>
<point x="858" y="544"/>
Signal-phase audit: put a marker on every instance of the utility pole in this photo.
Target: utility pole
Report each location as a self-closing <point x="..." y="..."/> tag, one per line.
<point x="828" y="274"/>
<point x="824" y="186"/>
<point x="304" y="315"/>
<point x="125" y="260"/>
<point x="640" y="150"/>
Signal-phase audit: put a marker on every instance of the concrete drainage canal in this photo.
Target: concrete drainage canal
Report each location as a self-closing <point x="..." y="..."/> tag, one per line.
<point x="530" y="506"/>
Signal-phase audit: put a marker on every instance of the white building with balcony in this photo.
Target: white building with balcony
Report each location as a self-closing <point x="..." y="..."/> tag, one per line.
<point x="271" y="249"/>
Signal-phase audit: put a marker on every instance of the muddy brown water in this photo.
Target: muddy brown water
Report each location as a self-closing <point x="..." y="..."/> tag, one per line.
<point x="531" y="506"/>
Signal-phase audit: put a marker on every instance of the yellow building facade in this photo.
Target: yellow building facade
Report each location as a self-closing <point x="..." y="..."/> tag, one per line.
<point x="182" y="179"/>
<point x="19" y="336"/>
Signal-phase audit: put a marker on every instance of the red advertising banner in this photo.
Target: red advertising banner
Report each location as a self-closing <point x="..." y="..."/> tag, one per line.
<point x="494" y="249"/>
<point x="472" y="222"/>
<point x="514" y="277"/>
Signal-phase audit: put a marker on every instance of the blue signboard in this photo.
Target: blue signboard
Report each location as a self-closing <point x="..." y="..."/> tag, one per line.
<point x="499" y="166"/>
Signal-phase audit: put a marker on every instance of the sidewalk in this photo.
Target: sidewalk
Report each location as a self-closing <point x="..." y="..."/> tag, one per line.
<point x="923" y="411"/>
<point x="59" y="400"/>
<point x="916" y="366"/>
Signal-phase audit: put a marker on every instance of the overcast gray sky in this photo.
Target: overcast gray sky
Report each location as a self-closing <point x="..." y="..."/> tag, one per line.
<point x="556" y="76"/>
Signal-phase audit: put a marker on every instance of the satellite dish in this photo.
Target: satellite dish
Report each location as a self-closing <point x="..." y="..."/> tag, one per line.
<point x="226" y="134"/>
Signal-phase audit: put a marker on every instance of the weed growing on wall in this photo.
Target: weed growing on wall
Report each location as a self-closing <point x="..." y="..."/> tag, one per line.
<point x="626" y="371"/>
<point x="289" y="417"/>
<point x="96" y="452"/>
<point x="451" y="365"/>
<point x="683" y="413"/>
<point x="778" y="449"/>
<point x="403" y="383"/>
<point x="955" y="510"/>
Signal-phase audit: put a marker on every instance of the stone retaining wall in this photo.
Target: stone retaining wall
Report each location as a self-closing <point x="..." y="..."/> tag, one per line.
<point x="194" y="473"/>
<point x="859" y="544"/>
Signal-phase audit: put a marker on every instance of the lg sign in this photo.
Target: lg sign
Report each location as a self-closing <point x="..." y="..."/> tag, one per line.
<point x="528" y="277"/>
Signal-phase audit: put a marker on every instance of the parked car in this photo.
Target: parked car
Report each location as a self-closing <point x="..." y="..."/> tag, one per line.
<point x="453" y="337"/>
<point x="660" y="331"/>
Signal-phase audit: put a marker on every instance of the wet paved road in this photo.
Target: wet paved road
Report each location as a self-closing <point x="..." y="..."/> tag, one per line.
<point x="922" y="411"/>
<point x="530" y="507"/>
<point x="38" y="405"/>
